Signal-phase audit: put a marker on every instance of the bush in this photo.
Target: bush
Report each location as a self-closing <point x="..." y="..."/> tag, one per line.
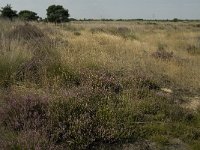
<point x="176" y="20"/>
<point x="75" y="122"/>
<point x="25" y="112"/>
<point x="28" y="15"/>
<point x="8" y="12"/>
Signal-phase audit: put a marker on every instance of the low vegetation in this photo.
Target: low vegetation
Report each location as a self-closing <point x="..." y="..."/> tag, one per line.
<point x="94" y="85"/>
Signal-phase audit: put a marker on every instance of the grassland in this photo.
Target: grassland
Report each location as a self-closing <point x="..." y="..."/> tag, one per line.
<point x="100" y="85"/>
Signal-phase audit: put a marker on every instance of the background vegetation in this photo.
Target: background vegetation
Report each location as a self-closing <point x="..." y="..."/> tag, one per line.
<point x="55" y="13"/>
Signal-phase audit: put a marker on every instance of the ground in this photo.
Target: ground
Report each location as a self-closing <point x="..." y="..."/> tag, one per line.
<point x="100" y="85"/>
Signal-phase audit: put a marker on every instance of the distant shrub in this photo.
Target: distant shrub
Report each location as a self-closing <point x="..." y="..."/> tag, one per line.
<point x="8" y="12"/>
<point x="176" y="20"/>
<point x="28" y="15"/>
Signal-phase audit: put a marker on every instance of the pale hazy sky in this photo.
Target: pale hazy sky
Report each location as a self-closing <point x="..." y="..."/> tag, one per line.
<point x="146" y="9"/>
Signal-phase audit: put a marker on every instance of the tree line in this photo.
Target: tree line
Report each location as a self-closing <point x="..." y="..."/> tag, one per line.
<point x="58" y="14"/>
<point x="55" y="13"/>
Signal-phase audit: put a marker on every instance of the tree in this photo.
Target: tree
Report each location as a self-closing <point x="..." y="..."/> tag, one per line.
<point x="28" y="15"/>
<point x="175" y="19"/>
<point x="7" y="12"/>
<point x="57" y="14"/>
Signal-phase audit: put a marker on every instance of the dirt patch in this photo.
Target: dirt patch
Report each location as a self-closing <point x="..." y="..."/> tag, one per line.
<point x="192" y="104"/>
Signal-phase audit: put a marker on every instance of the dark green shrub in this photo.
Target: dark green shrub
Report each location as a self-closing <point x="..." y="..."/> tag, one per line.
<point x="28" y="15"/>
<point x="8" y="12"/>
<point x="57" y="14"/>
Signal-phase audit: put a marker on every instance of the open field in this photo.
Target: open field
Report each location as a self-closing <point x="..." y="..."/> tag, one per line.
<point x="100" y="85"/>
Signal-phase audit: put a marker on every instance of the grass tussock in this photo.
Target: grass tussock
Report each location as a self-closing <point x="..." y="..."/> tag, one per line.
<point x="162" y="53"/>
<point x="25" y="32"/>
<point x="93" y="85"/>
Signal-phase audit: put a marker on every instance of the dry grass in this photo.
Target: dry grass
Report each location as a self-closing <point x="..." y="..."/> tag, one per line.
<point x="84" y="84"/>
<point x="25" y="32"/>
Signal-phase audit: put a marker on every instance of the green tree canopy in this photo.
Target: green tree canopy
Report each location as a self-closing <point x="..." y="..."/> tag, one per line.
<point x="7" y="12"/>
<point x="28" y="15"/>
<point x="57" y="14"/>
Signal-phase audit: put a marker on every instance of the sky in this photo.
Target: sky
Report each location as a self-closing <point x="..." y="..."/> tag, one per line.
<point x="115" y="9"/>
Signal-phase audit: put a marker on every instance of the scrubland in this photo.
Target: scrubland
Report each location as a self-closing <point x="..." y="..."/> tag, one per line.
<point x="100" y="85"/>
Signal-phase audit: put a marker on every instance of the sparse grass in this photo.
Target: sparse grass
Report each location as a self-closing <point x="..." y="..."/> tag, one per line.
<point x="85" y="84"/>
